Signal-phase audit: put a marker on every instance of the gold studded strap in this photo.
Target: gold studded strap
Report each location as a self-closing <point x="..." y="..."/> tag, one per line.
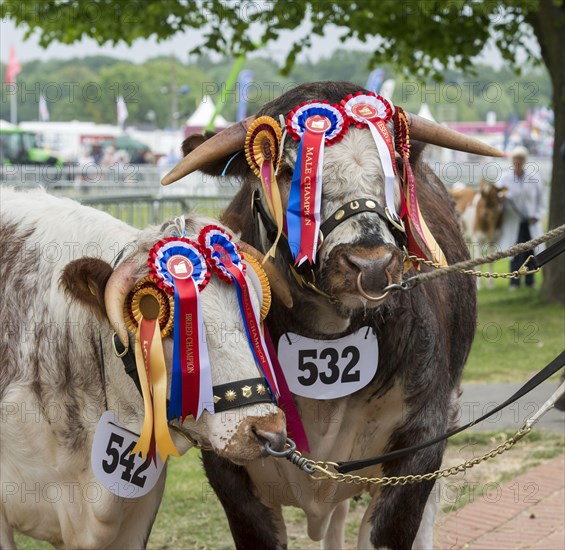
<point x="359" y="206"/>
<point x="241" y="393"/>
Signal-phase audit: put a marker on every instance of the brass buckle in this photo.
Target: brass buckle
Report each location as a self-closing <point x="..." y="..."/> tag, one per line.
<point x="523" y="270"/>
<point x="398" y="224"/>
<point x="311" y="285"/>
<point x="320" y="240"/>
<point x="126" y="348"/>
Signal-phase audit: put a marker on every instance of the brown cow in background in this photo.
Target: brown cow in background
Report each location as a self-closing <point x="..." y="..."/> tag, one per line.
<point x="481" y="216"/>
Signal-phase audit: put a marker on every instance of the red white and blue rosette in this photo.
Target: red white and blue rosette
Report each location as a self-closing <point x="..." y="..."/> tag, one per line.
<point x="314" y="125"/>
<point x="180" y="268"/>
<point x="366" y="109"/>
<point x="224" y="258"/>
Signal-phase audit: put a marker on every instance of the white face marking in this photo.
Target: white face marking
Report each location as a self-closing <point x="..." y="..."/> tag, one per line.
<point x="352" y="170"/>
<point x="231" y="358"/>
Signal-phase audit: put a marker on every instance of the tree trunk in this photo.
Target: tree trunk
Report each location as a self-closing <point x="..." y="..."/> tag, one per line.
<point x="549" y="26"/>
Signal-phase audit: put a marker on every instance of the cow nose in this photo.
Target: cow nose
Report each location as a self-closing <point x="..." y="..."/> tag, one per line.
<point x="375" y="272"/>
<point x="271" y="430"/>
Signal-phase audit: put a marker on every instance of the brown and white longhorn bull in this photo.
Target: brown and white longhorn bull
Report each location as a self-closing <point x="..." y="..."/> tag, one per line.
<point x="424" y="336"/>
<point x="59" y="372"/>
<point x="480" y="214"/>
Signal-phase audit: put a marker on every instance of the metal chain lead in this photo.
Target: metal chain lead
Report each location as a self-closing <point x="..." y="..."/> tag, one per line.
<point x="467" y="265"/>
<point x="523" y="270"/>
<point x="323" y="470"/>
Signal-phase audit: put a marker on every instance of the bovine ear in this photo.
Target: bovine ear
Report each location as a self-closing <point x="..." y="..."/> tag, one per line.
<point x="416" y="150"/>
<point x="237" y="167"/>
<point x="84" y="280"/>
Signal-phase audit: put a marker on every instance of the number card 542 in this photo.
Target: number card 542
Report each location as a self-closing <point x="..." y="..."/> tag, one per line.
<point x="124" y="474"/>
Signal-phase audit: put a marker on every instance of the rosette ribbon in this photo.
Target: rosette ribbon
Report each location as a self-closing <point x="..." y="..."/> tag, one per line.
<point x="148" y="313"/>
<point x="313" y="125"/>
<point x="180" y="268"/>
<point x="262" y="145"/>
<point x="421" y="242"/>
<point x="226" y="261"/>
<point x="373" y="111"/>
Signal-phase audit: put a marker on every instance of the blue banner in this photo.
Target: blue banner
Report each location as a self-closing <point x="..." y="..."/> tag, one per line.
<point x="243" y="80"/>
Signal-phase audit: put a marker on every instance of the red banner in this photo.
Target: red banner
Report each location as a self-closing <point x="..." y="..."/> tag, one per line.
<point x="189" y="350"/>
<point x="312" y="150"/>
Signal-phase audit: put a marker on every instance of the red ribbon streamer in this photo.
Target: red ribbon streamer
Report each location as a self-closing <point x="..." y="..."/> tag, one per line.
<point x="189" y="351"/>
<point x="312" y="144"/>
<point x="252" y="324"/>
<point x="286" y="402"/>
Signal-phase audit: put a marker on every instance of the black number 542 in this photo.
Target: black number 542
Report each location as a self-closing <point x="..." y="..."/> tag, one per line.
<point x="330" y="373"/>
<point x="124" y="459"/>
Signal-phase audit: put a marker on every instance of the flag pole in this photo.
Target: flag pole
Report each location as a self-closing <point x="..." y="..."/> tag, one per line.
<point x="14" y="107"/>
<point x="229" y="85"/>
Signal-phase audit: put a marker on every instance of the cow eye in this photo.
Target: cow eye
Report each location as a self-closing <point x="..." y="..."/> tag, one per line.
<point x="286" y="171"/>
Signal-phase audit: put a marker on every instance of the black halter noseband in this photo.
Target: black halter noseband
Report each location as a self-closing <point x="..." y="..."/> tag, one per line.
<point x="304" y="274"/>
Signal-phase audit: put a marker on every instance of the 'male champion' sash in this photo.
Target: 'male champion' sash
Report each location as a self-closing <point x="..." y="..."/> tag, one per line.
<point x="314" y="125"/>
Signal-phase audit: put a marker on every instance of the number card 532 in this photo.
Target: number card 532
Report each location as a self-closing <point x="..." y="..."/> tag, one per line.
<point x="328" y="369"/>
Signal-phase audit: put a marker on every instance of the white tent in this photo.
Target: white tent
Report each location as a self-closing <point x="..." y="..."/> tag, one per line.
<point x="203" y="114"/>
<point x="5" y="125"/>
<point x="425" y="112"/>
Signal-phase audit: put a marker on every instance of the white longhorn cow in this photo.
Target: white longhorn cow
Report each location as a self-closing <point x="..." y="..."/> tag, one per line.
<point x="59" y="373"/>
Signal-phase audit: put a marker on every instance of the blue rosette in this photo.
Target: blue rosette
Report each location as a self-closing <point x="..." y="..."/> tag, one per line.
<point x="179" y="267"/>
<point x="220" y="252"/>
<point x="226" y="262"/>
<point x="314" y="125"/>
<point x="339" y="122"/>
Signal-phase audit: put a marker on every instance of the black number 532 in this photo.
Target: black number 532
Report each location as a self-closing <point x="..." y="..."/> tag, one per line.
<point x="330" y="372"/>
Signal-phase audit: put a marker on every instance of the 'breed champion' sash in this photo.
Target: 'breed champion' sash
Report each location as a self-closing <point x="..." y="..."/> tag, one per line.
<point x="180" y="268"/>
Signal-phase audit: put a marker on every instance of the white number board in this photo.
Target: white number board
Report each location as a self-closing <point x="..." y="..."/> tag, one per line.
<point x="328" y="369"/>
<point x="122" y="473"/>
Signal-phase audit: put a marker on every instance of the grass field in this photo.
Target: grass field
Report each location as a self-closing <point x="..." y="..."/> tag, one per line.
<point x="517" y="334"/>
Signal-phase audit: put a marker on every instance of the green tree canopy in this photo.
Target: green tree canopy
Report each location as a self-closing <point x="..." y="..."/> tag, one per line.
<point x="417" y="36"/>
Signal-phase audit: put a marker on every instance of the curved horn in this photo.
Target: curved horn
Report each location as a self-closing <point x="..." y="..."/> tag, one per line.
<point x="223" y="143"/>
<point x="432" y="132"/>
<point x="276" y="280"/>
<point x="117" y="288"/>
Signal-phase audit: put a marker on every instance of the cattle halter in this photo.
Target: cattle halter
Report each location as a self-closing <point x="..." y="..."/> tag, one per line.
<point x="305" y="276"/>
<point x="149" y="309"/>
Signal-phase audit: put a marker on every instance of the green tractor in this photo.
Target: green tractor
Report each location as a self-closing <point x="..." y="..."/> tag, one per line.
<point x="22" y="147"/>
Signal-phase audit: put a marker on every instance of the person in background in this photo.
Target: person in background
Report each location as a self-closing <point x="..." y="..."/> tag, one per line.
<point x="97" y="153"/>
<point x="110" y="157"/>
<point x="524" y="208"/>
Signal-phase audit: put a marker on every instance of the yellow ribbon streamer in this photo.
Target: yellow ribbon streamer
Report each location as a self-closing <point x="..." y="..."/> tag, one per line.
<point x="276" y="209"/>
<point x="435" y="249"/>
<point x="165" y="445"/>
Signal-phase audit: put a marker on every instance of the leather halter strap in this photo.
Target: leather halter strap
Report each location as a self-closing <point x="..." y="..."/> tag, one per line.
<point x="226" y="396"/>
<point x="305" y="275"/>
